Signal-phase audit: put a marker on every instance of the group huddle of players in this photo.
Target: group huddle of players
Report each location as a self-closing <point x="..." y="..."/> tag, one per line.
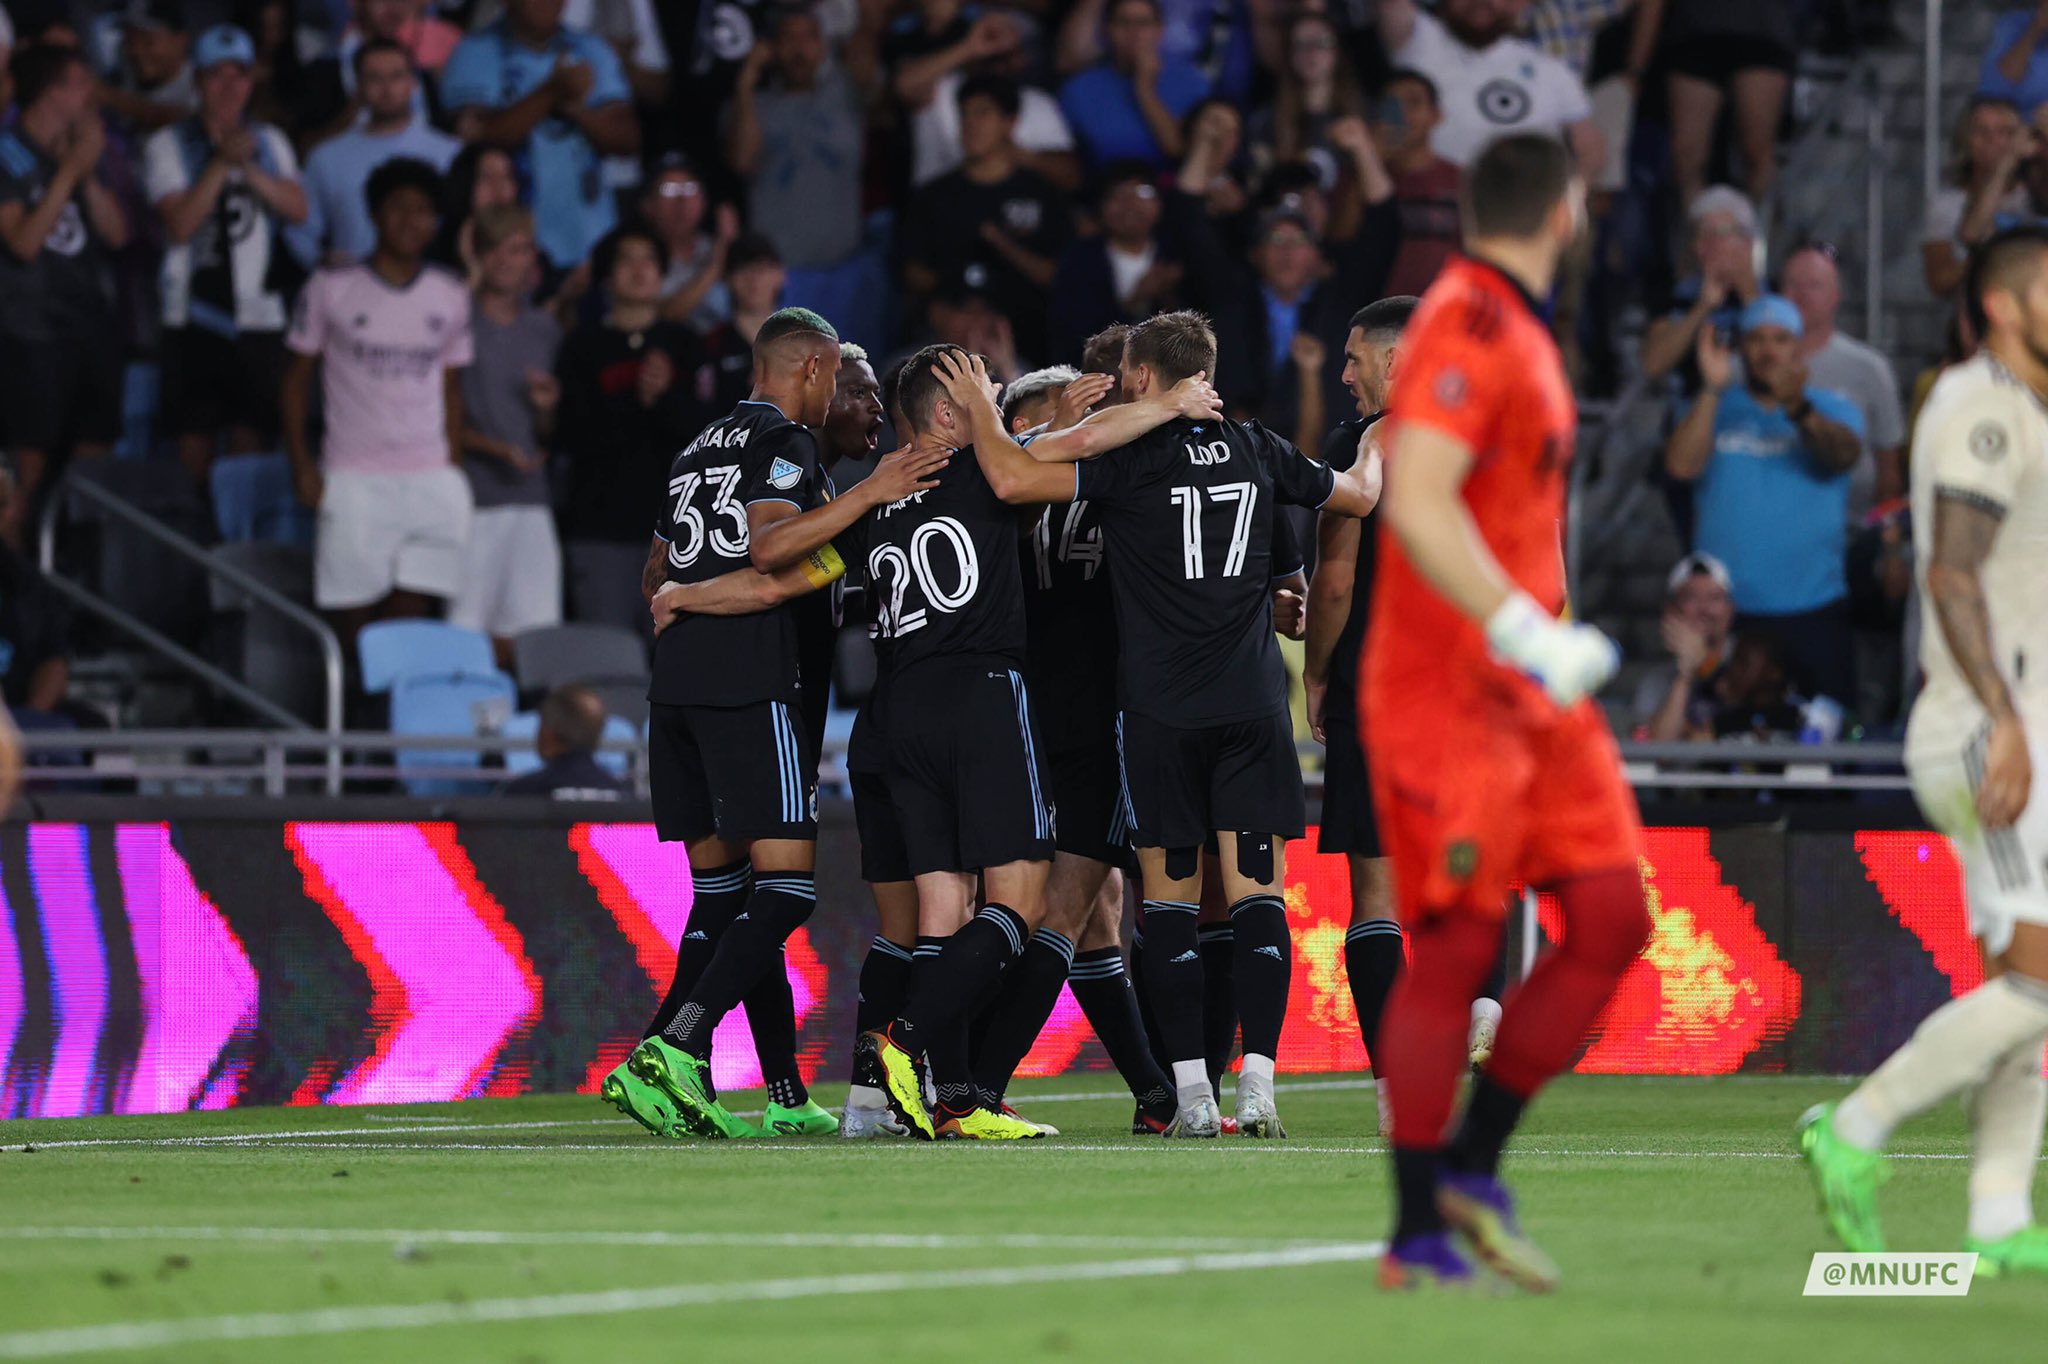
<point x="1072" y="587"/>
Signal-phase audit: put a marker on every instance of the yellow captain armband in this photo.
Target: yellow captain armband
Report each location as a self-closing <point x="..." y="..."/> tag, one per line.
<point x="823" y="567"/>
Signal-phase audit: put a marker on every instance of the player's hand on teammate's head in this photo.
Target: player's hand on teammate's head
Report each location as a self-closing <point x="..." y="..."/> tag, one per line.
<point x="1079" y="398"/>
<point x="906" y="470"/>
<point x="1195" y="398"/>
<point x="2008" y="774"/>
<point x="1716" y="360"/>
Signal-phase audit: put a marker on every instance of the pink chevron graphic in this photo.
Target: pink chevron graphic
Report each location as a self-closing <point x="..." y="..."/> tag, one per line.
<point x="198" y="989"/>
<point x="1061" y="1040"/>
<point x="645" y="886"/>
<point x="62" y="878"/>
<point x="450" y="980"/>
<point x="13" y="1004"/>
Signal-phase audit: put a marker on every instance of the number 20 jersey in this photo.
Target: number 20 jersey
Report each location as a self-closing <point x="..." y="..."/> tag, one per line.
<point x="753" y="455"/>
<point x="1187" y="518"/>
<point x="942" y="566"/>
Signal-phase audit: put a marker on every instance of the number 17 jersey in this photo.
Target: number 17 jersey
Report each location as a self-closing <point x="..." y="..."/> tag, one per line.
<point x="1187" y="519"/>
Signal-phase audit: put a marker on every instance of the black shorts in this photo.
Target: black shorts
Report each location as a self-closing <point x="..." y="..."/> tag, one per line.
<point x="1181" y="785"/>
<point x="883" y="858"/>
<point x="1716" y="57"/>
<point x="55" y="394"/>
<point x="1348" y="825"/>
<point x="1082" y="773"/>
<point x="213" y="382"/>
<point x="741" y="772"/>
<point x="964" y="770"/>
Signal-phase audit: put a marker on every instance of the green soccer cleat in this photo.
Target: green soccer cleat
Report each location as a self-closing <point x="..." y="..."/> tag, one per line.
<point x="2023" y="1252"/>
<point x="1847" y="1179"/>
<point x="685" y="1080"/>
<point x="641" y="1102"/>
<point x="805" y="1120"/>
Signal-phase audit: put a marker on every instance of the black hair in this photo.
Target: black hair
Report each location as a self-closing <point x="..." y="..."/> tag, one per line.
<point x="750" y="248"/>
<point x="606" y="256"/>
<point x="40" y="69"/>
<point x="401" y="173"/>
<point x="1173" y="346"/>
<point x="1409" y="73"/>
<point x="1516" y="182"/>
<point x="574" y="715"/>
<point x="1005" y="92"/>
<point x="2001" y="265"/>
<point x="371" y="49"/>
<point x="1387" y="315"/>
<point x="918" y="388"/>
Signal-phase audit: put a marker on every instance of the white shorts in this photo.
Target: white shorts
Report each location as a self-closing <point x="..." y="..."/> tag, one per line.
<point x="1614" y="113"/>
<point x="511" y="574"/>
<point x="2005" y="871"/>
<point x="378" y="532"/>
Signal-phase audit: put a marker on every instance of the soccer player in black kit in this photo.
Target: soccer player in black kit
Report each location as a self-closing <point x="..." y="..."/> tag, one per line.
<point x="734" y="770"/>
<point x="1206" y="743"/>
<point x="1338" y="598"/>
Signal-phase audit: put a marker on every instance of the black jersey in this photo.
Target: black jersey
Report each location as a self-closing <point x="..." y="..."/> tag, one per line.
<point x="942" y="565"/>
<point x="1069" y="617"/>
<point x="754" y="454"/>
<point x="1340" y="451"/>
<point x="1186" y="521"/>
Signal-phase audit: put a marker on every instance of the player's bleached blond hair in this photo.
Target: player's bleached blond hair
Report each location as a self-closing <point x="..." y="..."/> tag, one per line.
<point x="852" y="352"/>
<point x="1037" y="384"/>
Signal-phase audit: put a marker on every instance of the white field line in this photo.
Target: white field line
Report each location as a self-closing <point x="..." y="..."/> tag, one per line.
<point x="681" y="1240"/>
<point x="157" y="1335"/>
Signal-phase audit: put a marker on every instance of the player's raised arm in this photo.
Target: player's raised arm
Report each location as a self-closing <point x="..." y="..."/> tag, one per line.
<point x="1011" y="471"/>
<point x="1115" y="427"/>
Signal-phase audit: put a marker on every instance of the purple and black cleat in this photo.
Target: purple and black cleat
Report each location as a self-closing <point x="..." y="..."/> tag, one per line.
<point x="1426" y="1261"/>
<point x="1480" y="1209"/>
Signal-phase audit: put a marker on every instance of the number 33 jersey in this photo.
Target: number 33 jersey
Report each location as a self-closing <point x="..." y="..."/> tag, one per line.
<point x="754" y="455"/>
<point x="1187" y="521"/>
<point x="942" y="568"/>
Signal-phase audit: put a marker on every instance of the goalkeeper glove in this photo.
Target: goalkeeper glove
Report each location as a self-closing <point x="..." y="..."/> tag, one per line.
<point x="1570" y="661"/>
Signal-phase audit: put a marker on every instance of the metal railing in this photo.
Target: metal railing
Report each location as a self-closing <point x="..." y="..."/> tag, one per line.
<point x="256" y="589"/>
<point x="1930" y="111"/>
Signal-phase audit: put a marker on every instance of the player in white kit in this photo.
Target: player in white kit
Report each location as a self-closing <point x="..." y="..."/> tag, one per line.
<point x="1978" y="734"/>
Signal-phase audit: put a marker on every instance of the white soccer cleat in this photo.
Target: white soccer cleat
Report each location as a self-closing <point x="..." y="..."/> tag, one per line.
<point x="1386" y="1105"/>
<point x="1485" y="1028"/>
<point x="1257" y="1115"/>
<point x="1202" y="1118"/>
<point x="858" y="1123"/>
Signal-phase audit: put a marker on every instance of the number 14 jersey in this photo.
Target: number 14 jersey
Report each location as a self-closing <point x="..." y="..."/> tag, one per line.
<point x="1187" y="521"/>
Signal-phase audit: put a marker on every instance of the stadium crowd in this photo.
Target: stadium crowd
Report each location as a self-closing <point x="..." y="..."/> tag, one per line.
<point x="237" y="196"/>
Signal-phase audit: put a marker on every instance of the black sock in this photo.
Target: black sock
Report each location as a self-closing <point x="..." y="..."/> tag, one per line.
<point x="884" y="984"/>
<point x="1173" y="978"/>
<point x="1155" y="1036"/>
<point x="717" y="895"/>
<point x="1103" y="989"/>
<point x="1372" y="960"/>
<point x="946" y="1056"/>
<point x="780" y="903"/>
<point x="962" y="975"/>
<point x="1490" y="1117"/>
<point x="1031" y="987"/>
<point x="1415" y="1176"/>
<point x="771" y="1017"/>
<point x="1219" y="999"/>
<point x="1265" y="968"/>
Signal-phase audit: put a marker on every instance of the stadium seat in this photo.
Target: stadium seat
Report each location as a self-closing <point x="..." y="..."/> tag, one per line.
<point x="558" y="654"/>
<point x="623" y="700"/>
<point x="276" y="656"/>
<point x="391" y="649"/>
<point x="253" y="500"/>
<point x="525" y="725"/>
<point x="448" y="703"/>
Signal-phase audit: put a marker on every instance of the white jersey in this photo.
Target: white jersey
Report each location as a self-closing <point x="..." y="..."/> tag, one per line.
<point x="1983" y="437"/>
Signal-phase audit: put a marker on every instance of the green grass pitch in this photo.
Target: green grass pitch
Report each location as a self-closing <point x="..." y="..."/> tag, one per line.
<point x="546" y="1229"/>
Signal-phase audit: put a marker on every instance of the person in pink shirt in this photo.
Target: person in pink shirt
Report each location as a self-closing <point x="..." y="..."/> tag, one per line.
<point x="389" y="338"/>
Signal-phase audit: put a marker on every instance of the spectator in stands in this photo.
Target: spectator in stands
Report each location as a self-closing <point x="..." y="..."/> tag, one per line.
<point x="929" y="87"/>
<point x="1772" y="456"/>
<point x="389" y="337"/>
<point x="1843" y="365"/>
<point x="1753" y="697"/>
<point x="1124" y="273"/>
<point x="993" y="222"/>
<point x="556" y="98"/>
<point x="335" y="94"/>
<point x="512" y="574"/>
<point x="1213" y="38"/>
<point x="724" y="370"/>
<point x="1986" y="190"/>
<point x="1128" y="106"/>
<point x="1216" y="123"/>
<point x="1491" y="82"/>
<point x="2016" y="62"/>
<point x="227" y="190"/>
<point x="571" y="728"/>
<point x="624" y="414"/>
<point x="633" y="31"/>
<point x="1315" y="87"/>
<point x="676" y="205"/>
<point x="152" y="83"/>
<point x="1724" y="229"/>
<point x="1425" y="185"/>
<point x="60" y="381"/>
<point x="480" y="177"/>
<point x="1677" y="701"/>
<point x="337" y="227"/>
<point x="1728" y="52"/>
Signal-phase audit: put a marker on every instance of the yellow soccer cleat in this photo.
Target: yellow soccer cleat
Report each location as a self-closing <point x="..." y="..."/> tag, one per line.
<point x="901" y="1082"/>
<point x="982" y="1125"/>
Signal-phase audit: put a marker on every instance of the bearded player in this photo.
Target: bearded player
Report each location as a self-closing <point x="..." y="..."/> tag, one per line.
<point x="1490" y="764"/>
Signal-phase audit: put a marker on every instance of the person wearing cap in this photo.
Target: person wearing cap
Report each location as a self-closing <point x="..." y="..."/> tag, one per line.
<point x="226" y="189"/>
<point x="153" y="85"/>
<point x="1677" y="700"/>
<point x="675" y="202"/>
<point x="1724" y="237"/>
<point x="1770" y="457"/>
<point x="338" y="227"/>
